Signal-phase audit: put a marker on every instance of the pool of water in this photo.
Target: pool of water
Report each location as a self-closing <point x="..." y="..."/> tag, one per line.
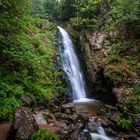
<point x="89" y="107"/>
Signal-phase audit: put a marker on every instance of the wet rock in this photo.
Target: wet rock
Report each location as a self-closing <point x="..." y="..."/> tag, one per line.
<point x="137" y="120"/>
<point x="102" y="111"/>
<point x="4" y="130"/>
<point x="93" y="125"/>
<point x="24" y="123"/>
<point x="77" y="126"/>
<point x="105" y="123"/>
<point x="83" y="135"/>
<point x="68" y="106"/>
<point x="50" y="117"/>
<point x="40" y="119"/>
<point x="115" y="117"/>
<point x="83" y="118"/>
<point x="51" y="125"/>
<point x="54" y="103"/>
<point x="60" y="115"/>
<point x="61" y="125"/>
<point x="72" y="118"/>
<point x="80" y="126"/>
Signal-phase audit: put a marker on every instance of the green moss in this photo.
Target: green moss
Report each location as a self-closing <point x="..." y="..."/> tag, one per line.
<point x="44" y="134"/>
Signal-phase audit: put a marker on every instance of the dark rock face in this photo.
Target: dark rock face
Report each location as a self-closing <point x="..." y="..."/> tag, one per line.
<point x="109" y="74"/>
<point x="24" y="124"/>
<point x="93" y="49"/>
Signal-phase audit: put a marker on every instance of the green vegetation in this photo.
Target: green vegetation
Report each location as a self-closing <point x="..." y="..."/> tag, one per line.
<point x="135" y="104"/>
<point x="43" y="135"/>
<point x="28" y="58"/>
<point x="125" y="122"/>
<point x="8" y="107"/>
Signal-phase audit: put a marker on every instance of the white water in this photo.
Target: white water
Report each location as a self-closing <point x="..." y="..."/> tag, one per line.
<point x="101" y="135"/>
<point x="72" y="67"/>
<point x="101" y="131"/>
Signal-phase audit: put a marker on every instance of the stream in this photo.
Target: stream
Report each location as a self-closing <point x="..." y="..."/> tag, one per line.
<point x="71" y="66"/>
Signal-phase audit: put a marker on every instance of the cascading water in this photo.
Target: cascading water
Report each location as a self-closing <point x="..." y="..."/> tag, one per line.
<point x="101" y="135"/>
<point x="71" y="66"/>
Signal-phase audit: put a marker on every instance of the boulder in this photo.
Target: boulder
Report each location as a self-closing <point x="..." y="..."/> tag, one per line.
<point x="83" y="135"/>
<point x="52" y="126"/>
<point x="93" y="125"/>
<point x="39" y="119"/>
<point x="115" y="117"/>
<point x="24" y="123"/>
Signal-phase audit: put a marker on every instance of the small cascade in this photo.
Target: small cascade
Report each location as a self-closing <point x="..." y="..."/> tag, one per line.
<point x="101" y="135"/>
<point x="71" y="66"/>
<point x="101" y="131"/>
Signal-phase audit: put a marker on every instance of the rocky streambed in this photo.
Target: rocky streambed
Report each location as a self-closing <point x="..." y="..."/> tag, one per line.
<point x="72" y="121"/>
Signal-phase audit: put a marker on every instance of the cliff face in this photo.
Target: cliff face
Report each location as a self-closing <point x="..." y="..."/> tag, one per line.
<point x="95" y="47"/>
<point x="111" y="64"/>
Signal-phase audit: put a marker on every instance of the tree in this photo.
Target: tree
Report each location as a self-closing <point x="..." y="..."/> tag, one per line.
<point x="52" y="8"/>
<point x="37" y="7"/>
<point x="12" y="12"/>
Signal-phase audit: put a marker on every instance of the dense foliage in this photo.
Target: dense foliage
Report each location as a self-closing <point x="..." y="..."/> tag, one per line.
<point x="28" y="58"/>
<point x="98" y="14"/>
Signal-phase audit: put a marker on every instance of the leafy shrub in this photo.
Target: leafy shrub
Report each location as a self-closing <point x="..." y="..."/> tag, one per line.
<point x="44" y="135"/>
<point x="27" y="65"/>
<point x="136" y="90"/>
<point x="125" y="122"/>
<point x="7" y="108"/>
<point x="78" y="21"/>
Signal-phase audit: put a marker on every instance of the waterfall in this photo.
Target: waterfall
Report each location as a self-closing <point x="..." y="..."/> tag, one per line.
<point x="71" y="66"/>
<point x="73" y="70"/>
